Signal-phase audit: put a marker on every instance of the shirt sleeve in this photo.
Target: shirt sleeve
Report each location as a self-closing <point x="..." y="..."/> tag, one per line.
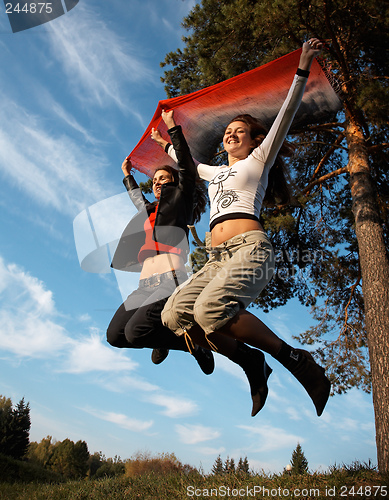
<point x="205" y="172"/>
<point x="185" y="163"/>
<point x="272" y="143"/>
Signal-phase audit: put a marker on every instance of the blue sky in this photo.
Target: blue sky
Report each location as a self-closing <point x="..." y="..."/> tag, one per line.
<point x="77" y="94"/>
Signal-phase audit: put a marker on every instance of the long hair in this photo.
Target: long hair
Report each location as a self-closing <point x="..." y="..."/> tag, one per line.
<point x="200" y="195"/>
<point x="277" y="191"/>
<point x="200" y="199"/>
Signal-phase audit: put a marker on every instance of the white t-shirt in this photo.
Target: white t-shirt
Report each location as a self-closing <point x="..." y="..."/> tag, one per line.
<point x="238" y="191"/>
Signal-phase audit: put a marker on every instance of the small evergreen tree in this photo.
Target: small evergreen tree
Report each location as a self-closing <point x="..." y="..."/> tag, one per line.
<point x="217" y="468"/>
<point x="14" y="428"/>
<point x="243" y="466"/>
<point x="80" y="459"/>
<point x="229" y="465"/>
<point x="299" y="463"/>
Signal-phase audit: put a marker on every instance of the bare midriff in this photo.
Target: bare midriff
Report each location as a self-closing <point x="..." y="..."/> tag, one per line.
<point x="162" y="263"/>
<point x="232" y="227"/>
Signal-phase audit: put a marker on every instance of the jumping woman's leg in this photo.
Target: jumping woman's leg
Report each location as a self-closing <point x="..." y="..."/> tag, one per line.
<point x="137" y="324"/>
<point x="219" y="310"/>
<point x="179" y="315"/>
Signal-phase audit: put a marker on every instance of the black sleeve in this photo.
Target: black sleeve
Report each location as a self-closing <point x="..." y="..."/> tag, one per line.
<point x="186" y="165"/>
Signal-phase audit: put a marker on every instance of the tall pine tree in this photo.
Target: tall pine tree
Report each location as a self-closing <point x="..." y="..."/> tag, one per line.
<point x="298" y="462"/>
<point x="217" y="468"/>
<point x="14" y="428"/>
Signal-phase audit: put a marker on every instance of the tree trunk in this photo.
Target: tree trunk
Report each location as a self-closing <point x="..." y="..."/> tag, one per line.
<point x="375" y="282"/>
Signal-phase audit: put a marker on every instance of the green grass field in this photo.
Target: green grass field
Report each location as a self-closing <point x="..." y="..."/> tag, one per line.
<point x="340" y="483"/>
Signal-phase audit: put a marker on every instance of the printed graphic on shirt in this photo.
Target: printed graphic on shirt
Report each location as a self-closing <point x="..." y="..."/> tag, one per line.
<point x="223" y="198"/>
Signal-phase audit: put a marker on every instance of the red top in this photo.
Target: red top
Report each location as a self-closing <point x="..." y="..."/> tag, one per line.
<point x="152" y="247"/>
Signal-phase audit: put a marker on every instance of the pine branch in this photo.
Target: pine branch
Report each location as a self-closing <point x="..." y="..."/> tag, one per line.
<point x="324" y="178"/>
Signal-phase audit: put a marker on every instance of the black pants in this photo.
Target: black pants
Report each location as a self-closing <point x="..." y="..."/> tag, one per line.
<point x="137" y="323"/>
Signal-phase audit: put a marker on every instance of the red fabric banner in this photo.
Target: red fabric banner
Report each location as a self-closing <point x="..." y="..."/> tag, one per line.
<point x="260" y="92"/>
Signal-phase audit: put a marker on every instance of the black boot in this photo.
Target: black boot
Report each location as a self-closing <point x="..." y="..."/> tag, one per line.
<point x="159" y="355"/>
<point x="204" y="358"/>
<point x="311" y="376"/>
<point x="257" y="371"/>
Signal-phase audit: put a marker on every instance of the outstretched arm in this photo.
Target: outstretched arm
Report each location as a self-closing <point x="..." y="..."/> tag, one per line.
<point x="278" y="131"/>
<point x="310" y="50"/>
<point x="180" y="152"/>
<point x="165" y="145"/>
<point x="132" y="187"/>
<point x="157" y="137"/>
<point x="167" y="117"/>
<point x="127" y="166"/>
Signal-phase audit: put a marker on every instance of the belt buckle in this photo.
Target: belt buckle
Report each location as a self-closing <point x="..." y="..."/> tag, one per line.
<point x="154" y="281"/>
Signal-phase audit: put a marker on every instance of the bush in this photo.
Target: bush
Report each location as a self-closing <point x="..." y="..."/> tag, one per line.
<point x="164" y="463"/>
<point x="110" y="469"/>
<point x="12" y="470"/>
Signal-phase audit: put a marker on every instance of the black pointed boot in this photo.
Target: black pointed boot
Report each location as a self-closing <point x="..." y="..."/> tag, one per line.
<point x="205" y="360"/>
<point x="311" y="376"/>
<point x="159" y="355"/>
<point x="257" y="371"/>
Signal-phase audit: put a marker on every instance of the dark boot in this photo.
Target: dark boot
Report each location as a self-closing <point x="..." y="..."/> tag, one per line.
<point x="204" y="358"/>
<point x="257" y="371"/>
<point x="311" y="376"/>
<point x="159" y="355"/>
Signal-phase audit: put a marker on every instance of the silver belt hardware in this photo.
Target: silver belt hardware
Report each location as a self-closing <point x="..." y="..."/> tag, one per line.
<point x="151" y="281"/>
<point x="156" y="279"/>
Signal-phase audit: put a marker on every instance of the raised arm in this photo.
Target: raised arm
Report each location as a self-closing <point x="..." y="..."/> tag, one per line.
<point x="131" y="185"/>
<point x="178" y="151"/>
<point x="310" y="50"/>
<point x="166" y="146"/>
<point x="168" y="118"/>
<point x="278" y="131"/>
<point x="157" y="137"/>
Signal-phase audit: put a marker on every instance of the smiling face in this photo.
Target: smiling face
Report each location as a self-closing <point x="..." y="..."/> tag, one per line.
<point x="237" y="140"/>
<point x="160" y="177"/>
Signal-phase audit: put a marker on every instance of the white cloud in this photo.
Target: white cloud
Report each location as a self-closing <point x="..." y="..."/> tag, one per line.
<point x="193" y="434"/>
<point x="127" y="383"/>
<point x="293" y="413"/>
<point x="58" y="110"/>
<point x="98" y="62"/>
<point x="174" y="407"/>
<point x="130" y="424"/>
<point x="85" y="318"/>
<point x="272" y="438"/>
<point x="223" y="363"/>
<point x="208" y="450"/>
<point x="27" y="325"/>
<point x="93" y="354"/>
<point x="62" y="173"/>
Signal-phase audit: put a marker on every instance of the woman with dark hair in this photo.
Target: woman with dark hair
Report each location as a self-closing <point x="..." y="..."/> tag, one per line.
<point x="161" y="256"/>
<point x="210" y="309"/>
